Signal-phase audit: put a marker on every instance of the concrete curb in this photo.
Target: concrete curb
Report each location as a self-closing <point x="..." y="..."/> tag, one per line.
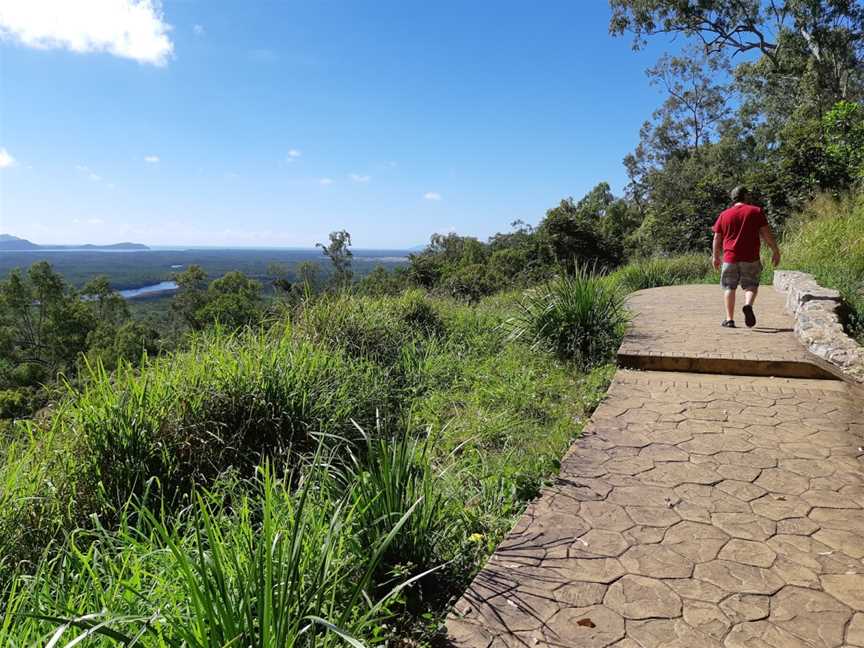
<point x="817" y="323"/>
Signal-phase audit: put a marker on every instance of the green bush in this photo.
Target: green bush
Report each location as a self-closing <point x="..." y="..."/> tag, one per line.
<point x="580" y="317"/>
<point x="368" y="328"/>
<point x="13" y="403"/>
<point x="182" y="420"/>
<point x="192" y="422"/>
<point x="827" y="240"/>
<point x="276" y="567"/>
<point x="664" y="271"/>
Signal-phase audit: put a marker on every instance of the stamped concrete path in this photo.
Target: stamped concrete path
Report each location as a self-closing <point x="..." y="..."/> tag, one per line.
<point x="696" y="511"/>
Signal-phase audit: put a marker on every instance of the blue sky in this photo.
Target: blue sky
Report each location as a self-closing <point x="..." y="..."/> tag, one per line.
<point x="274" y="123"/>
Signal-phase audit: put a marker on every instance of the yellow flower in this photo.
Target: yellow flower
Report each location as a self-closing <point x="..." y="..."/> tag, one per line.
<point x="475" y="537"/>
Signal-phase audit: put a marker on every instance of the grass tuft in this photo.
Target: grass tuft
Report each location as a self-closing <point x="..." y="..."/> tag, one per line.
<point x="580" y="317"/>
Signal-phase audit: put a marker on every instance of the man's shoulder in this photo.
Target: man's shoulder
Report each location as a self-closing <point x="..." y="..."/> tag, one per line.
<point x="726" y="213"/>
<point x="754" y="214"/>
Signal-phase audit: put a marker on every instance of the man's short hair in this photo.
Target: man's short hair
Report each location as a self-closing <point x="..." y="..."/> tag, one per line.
<point x="739" y="194"/>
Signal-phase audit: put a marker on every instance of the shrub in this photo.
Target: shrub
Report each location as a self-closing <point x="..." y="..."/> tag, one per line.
<point x="368" y="328"/>
<point x="180" y="433"/>
<point x="13" y="403"/>
<point x="181" y="420"/>
<point x="660" y="271"/>
<point x="275" y="568"/>
<point x="580" y="317"/>
<point x="827" y="240"/>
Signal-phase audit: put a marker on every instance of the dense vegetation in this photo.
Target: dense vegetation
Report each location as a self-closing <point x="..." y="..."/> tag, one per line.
<point x="328" y="458"/>
<point x="331" y="427"/>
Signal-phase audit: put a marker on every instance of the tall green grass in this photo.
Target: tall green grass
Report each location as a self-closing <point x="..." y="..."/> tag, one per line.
<point x="665" y="271"/>
<point x="257" y="564"/>
<point x="140" y="502"/>
<point x="827" y="240"/>
<point x="580" y="317"/>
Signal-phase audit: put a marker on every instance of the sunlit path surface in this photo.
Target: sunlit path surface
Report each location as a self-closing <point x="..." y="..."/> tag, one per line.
<point x="698" y="510"/>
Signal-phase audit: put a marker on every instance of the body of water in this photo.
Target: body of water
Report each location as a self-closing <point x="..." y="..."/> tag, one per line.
<point x="149" y="291"/>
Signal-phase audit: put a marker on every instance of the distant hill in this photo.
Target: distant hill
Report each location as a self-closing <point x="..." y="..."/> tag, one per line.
<point x="126" y="245"/>
<point x="9" y="242"/>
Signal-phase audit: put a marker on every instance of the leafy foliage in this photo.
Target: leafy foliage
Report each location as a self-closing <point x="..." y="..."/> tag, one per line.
<point x="580" y="317"/>
<point x="148" y="479"/>
<point x="827" y="239"/>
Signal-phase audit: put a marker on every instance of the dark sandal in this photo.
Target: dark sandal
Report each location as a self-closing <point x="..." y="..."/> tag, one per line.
<point x="749" y="316"/>
<point x="728" y="323"/>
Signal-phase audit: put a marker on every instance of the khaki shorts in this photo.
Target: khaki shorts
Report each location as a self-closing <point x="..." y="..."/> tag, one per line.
<point x="745" y="273"/>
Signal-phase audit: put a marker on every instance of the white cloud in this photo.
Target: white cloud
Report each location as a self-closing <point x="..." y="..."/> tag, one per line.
<point x="88" y="172"/>
<point x="359" y="178"/>
<point x="432" y="195"/>
<point x="292" y="155"/>
<point x="95" y="221"/>
<point x="132" y="29"/>
<point x="6" y="159"/>
<point x="198" y="30"/>
<point x="151" y="159"/>
<point x="325" y="181"/>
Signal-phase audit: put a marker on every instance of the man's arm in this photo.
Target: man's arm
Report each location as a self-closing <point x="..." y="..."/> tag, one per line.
<point x="717" y="248"/>
<point x="768" y="236"/>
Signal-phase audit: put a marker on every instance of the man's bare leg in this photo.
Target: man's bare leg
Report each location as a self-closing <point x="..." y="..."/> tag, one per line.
<point x="749" y="298"/>
<point x="729" y="297"/>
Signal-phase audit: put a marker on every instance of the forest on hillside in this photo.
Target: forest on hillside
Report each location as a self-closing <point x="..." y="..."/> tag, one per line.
<point x="328" y="461"/>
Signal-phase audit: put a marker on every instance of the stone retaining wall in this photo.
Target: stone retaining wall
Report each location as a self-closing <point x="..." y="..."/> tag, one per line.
<point x="817" y="323"/>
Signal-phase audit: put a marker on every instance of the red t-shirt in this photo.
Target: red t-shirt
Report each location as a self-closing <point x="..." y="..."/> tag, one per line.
<point x="739" y="226"/>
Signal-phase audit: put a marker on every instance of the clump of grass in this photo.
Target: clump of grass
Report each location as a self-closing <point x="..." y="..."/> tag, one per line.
<point x="229" y="401"/>
<point x="279" y="567"/>
<point x="393" y="476"/>
<point x="827" y="240"/>
<point x="580" y="317"/>
<point x="664" y="271"/>
<point x="372" y="329"/>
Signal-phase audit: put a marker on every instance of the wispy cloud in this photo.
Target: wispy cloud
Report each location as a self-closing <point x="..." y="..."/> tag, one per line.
<point x="325" y="181"/>
<point x="87" y="171"/>
<point x="198" y="30"/>
<point x="432" y="195"/>
<point x="293" y="155"/>
<point x="95" y="221"/>
<point x="355" y="177"/>
<point x="132" y="29"/>
<point x="6" y="159"/>
<point x="151" y="159"/>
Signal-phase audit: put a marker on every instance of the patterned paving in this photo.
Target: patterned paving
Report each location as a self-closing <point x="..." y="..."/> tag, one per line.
<point x="677" y="328"/>
<point x="696" y="511"/>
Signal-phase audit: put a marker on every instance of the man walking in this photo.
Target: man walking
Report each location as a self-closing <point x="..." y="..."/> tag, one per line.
<point x="737" y="234"/>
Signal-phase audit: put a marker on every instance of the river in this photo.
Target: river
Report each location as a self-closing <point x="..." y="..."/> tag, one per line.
<point x="149" y="291"/>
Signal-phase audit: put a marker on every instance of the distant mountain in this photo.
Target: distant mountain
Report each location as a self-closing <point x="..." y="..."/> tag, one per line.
<point x="9" y="242"/>
<point x="126" y="245"/>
